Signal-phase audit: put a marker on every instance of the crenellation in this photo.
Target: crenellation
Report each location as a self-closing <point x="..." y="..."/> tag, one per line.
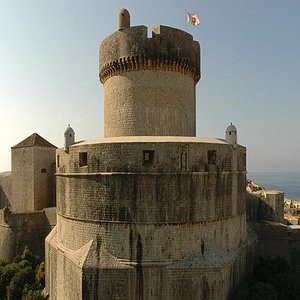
<point x="150" y="211"/>
<point x="158" y="52"/>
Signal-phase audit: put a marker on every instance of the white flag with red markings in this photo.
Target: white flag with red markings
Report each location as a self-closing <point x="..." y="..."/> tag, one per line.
<point x="192" y="18"/>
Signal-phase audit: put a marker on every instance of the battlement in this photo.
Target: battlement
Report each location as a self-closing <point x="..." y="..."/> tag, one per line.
<point x="168" y="49"/>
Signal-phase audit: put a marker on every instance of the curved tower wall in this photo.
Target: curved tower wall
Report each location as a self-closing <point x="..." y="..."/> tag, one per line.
<point x="149" y="83"/>
<point x="120" y="195"/>
<point x="152" y="217"/>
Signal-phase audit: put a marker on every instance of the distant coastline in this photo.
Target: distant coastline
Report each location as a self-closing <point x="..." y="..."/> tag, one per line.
<point x="287" y="182"/>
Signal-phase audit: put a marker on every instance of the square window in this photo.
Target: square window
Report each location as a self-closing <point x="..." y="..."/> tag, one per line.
<point x="211" y="157"/>
<point x="43" y="170"/>
<point x="148" y="156"/>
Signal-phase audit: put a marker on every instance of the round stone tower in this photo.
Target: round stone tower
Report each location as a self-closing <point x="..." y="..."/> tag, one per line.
<point x="150" y="211"/>
<point x="149" y="83"/>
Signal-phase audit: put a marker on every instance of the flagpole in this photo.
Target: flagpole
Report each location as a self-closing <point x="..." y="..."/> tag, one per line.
<point x="185" y="20"/>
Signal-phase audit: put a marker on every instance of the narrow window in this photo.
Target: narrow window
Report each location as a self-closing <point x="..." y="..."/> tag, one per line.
<point x="82" y="159"/>
<point x="57" y="161"/>
<point x="211" y="157"/>
<point x="183" y="160"/>
<point x="43" y="170"/>
<point x="148" y="156"/>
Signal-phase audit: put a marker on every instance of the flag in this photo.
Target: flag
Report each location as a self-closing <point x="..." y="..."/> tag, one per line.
<point x="192" y="18"/>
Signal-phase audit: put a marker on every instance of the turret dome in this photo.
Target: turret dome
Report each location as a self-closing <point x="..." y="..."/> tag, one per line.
<point x="69" y="135"/>
<point x="231" y="134"/>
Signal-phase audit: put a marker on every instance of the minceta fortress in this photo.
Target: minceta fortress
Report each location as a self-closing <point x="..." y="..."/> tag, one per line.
<point x="150" y="211"/>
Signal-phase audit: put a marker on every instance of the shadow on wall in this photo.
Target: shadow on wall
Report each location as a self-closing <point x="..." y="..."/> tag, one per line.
<point x="18" y="230"/>
<point x="258" y="209"/>
<point x="4" y="202"/>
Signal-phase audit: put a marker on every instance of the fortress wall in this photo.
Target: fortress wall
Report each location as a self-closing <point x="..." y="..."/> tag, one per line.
<point x="69" y="278"/>
<point x="7" y="238"/>
<point x="150" y="102"/>
<point x="50" y="213"/>
<point x="273" y="240"/>
<point x="5" y="191"/>
<point x="183" y="279"/>
<point x="294" y="246"/>
<point x="22" y="179"/>
<point x="44" y="179"/>
<point x="167" y="157"/>
<point x="160" y="241"/>
<point x="269" y="208"/>
<point x="276" y="201"/>
<point x="23" y="229"/>
<point x="161" y="198"/>
<point x="51" y="251"/>
<point x="211" y="284"/>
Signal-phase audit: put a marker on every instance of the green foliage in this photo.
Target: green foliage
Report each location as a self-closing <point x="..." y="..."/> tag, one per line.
<point x="33" y="295"/>
<point x="21" y="279"/>
<point x="273" y="280"/>
<point x="40" y="274"/>
<point x="3" y="262"/>
<point x="24" y="278"/>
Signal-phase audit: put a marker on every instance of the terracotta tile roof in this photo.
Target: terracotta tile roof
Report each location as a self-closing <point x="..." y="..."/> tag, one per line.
<point x="34" y="140"/>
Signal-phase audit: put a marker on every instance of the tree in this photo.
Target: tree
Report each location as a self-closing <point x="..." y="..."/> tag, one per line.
<point x="24" y="278"/>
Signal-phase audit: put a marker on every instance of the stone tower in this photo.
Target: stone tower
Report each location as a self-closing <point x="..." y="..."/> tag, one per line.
<point x="27" y="198"/>
<point x="33" y="168"/>
<point x="150" y="211"/>
<point x="149" y="83"/>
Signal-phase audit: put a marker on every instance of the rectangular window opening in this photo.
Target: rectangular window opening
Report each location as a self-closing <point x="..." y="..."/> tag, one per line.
<point x="148" y="156"/>
<point x="44" y="170"/>
<point x="57" y="161"/>
<point x="82" y="159"/>
<point x="211" y="157"/>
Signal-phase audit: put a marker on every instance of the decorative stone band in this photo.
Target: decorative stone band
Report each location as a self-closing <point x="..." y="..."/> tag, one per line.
<point x="137" y="63"/>
<point x="156" y="224"/>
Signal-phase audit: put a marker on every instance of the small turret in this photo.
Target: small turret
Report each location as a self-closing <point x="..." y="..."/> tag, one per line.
<point x="69" y="137"/>
<point x="231" y="134"/>
<point x="124" y="19"/>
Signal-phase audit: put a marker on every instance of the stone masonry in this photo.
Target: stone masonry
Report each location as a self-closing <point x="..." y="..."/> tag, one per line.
<point x="150" y="211"/>
<point x="27" y="198"/>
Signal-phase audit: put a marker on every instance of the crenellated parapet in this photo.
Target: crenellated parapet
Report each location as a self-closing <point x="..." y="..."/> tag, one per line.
<point x="168" y="49"/>
<point x="149" y="82"/>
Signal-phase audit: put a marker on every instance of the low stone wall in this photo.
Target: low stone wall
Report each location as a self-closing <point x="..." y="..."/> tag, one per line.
<point x="5" y="191"/>
<point x="18" y="230"/>
<point x="268" y="207"/>
<point x="273" y="240"/>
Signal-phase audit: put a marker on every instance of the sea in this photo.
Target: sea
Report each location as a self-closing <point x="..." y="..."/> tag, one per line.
<point x="287" y="182"/>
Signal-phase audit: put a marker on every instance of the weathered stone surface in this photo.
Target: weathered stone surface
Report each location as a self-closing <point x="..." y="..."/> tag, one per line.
<point x="150" y="211"/>
<point x="26" y="195"/>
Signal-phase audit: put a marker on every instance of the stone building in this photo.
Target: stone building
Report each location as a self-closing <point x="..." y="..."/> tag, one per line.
<point x="27" y="197"/>
<point x="150" y="211"/>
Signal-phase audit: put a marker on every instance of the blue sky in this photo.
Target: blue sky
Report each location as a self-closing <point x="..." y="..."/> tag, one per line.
<point x="250" y="70"/>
